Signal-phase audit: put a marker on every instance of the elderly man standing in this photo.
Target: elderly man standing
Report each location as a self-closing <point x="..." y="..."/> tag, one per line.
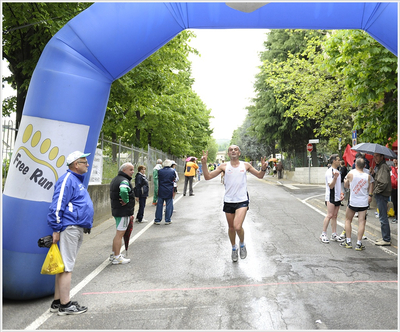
<point x="70" y="216"/>
<point x="155" y="180"/>
<point x="166" y="178"/>
<point x="122" y="207"/>
<point x="382" y="192"/>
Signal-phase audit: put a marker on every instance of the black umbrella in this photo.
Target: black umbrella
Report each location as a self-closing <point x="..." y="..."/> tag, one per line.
<point x="127" y="235"/>
<point x="372" y="148"/>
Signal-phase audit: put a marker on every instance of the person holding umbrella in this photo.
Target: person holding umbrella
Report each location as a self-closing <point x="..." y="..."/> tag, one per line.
<point x="122" y="206"/>
<point x="382" y="192"/>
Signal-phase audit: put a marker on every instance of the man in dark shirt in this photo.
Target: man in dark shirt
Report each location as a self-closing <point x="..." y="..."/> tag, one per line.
<point x="166" y="177"/>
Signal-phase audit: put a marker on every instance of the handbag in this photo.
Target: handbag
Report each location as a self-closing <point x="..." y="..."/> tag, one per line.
<point x="53" y="263"/>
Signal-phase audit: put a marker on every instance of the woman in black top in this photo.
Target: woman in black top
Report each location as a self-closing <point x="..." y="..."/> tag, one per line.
<point x="141" y="192"/>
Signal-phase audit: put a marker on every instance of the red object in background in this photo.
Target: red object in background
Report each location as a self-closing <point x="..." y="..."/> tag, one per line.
<point x="349" y="156"/>
<point x="309" y="147"/>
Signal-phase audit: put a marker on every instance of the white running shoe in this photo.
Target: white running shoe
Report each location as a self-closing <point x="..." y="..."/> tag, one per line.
<point x="235" y="255"/>
<point x="324" y="238"/>
<point x="120" y="260"/>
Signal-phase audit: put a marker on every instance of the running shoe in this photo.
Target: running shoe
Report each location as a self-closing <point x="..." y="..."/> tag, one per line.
<point x="157" y="222"/>
<point x="120" y="260"/>
<point x="346" y="245"/>
<point x="243" y="252"/>
<point x="234" y="255"/>
<point x="336" y="238"/>
<point x="360" y="247"/>
<point x="364" y="237"/>
<point x="324" y="238"/>
<point x="56" y="306"/>
<point x="73" y="309"/>
<point x="343" y="235"/>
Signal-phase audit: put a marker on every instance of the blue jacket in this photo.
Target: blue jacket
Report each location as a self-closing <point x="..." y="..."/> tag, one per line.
<point x="71" y="204"/>
<point x="166" y="177"/>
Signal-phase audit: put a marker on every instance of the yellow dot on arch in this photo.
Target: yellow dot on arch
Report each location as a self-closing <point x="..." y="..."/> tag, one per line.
<point x="53" y="153"/>
<point x="36" y="138"/>
<point x="27" y="133"/>
<point x="45" y="146"/>
<point x="60" y="161"/>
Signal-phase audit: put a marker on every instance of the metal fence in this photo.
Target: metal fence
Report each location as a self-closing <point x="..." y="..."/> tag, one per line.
<point x="115" y="154"/>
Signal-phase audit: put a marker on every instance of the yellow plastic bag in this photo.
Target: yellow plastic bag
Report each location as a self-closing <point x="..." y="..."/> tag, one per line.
<point x="53" y="264"/>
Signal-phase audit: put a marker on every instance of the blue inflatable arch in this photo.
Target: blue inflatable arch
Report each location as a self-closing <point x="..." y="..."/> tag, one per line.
<point x="69" y="90"/>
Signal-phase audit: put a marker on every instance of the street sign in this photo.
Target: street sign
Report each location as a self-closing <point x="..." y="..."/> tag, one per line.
<point x="315" y="140"/>
<point x="309" y="147"/>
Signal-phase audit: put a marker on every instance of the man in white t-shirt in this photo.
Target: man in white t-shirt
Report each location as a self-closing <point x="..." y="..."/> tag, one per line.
<point x="333" y="198"/>
<point x="236" y="199"/>
<point x="361" y="187"/>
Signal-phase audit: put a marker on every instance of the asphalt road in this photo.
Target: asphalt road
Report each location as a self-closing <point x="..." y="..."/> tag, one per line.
<point x="181" y="276"/>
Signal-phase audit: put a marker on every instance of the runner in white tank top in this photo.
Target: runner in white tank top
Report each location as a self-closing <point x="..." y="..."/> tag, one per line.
<point x="235" y="183"/>
<point x="361" y="188"/>
<point x="236" y="200"/>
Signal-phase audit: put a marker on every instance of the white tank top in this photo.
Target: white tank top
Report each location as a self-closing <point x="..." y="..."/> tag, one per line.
<point x="359" y="189"/>
<point x="235" y="183"/>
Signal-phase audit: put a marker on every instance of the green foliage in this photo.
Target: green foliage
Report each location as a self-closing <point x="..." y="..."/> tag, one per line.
<point x="27" y="28"/>
<point x="270" y="123"/>
<point x="155" y="104"/>
<point x="369" y="72"/>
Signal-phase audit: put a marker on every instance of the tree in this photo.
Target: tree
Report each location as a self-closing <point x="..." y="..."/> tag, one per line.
<point x="154" y="103"/>
<point x="251" y="147"/>
<point x="311" y="94"/>
<point x="369" y="72"/>
<point x="27" y="28"/>
<point x="269" y="121"/>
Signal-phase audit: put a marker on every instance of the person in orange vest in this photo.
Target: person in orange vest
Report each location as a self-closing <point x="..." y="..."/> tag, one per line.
<point x="190" y="172"/>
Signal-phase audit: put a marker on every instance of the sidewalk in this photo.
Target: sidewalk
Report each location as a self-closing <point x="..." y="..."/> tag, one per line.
<point x="372" y="227"/>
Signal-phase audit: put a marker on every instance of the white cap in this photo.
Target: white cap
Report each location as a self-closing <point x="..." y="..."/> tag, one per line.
<point x="167" y="163"/>
<point x="75" y="156"/>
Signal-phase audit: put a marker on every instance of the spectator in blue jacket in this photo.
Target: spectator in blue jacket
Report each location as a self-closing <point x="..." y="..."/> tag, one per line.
<point x="166" y="178"/>
<point x="71" y="215"/>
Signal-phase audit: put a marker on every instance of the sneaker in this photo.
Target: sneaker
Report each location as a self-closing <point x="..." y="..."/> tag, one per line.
<point x="243" y="252"/>
<point x="191" y="195"/>
<point x="111" y="257"/>
<point x="168" y="223"/>
<point x="141" y="221"/>
<point x="120" y="260"/>
<point x="360" y="247"/>
<point x="382" y="243"/>
<point x="234" y="255"/>
<point x="73" y="309"/>
<point x="324" y="238"/>
<point x="157" y="222"/>
<point x="343" y="235"/>
<point x="364" y="237"/>
<point x="394" y="221"/>
<point x="346" y="245"/>
<point x="55" y="306"/>
<point x="154" y="203"/>
<point x="336" y="238"/>
<point x="356" y="214"/>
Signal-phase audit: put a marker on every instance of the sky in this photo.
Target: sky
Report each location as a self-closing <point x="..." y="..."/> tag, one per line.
<point x="225" y="74"/>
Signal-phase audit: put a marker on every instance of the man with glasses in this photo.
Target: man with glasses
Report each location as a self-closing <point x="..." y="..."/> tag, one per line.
<point x="71" y="215"/>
